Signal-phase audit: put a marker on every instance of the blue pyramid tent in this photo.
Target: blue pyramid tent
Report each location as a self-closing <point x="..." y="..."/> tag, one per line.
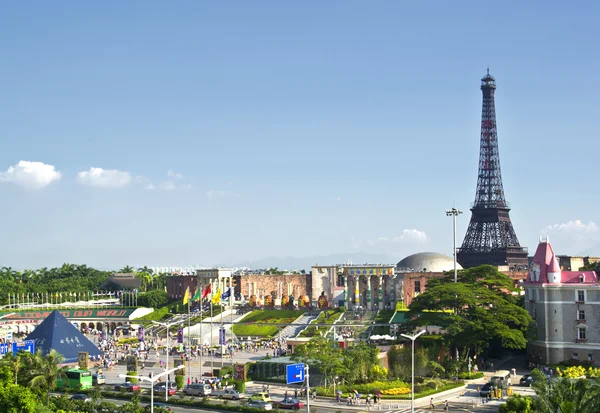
<point x="56" y="332"/>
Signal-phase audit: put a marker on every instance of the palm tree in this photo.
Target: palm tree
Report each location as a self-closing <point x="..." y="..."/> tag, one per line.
<point x="16" y="363"/>
<point x="563" y="395"/>
<point x="127" y="269"/>
<point x="46" y="370"/>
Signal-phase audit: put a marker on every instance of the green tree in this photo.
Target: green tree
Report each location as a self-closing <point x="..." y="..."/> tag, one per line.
<point x="478" y="308"/>
<point x="127" y="269"/>
<point x="17" y="399"/>
<point x="321" y="353"/>
<point x="46" y="370"/>
<point x="154" y="299"/>
<point x="563" y="395"/>
<point x="517" y="404"/>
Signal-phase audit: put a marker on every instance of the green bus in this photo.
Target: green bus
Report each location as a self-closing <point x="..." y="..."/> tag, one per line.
<point x="75" y="379"/>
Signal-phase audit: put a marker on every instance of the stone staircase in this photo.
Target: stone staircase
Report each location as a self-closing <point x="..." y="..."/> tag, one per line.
<point x="293" y="330"/>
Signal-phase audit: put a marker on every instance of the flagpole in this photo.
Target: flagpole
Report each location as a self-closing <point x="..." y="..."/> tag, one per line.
<point x="212" y="358"/>
<point x="189" y="341"/>
<point x="222" y="329"/>
<point x="201" y="339"/>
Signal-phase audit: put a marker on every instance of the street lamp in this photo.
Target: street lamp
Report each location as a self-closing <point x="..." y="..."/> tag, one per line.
<point x="153" y="379"/>
<point x="167" y="326"/>
<point x="454" y="213"/>
<point x="412" y="392"/>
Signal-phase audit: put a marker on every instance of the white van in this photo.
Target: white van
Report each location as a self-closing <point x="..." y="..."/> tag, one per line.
<point x="197" y="389"/>
<point x="501" y="375"/>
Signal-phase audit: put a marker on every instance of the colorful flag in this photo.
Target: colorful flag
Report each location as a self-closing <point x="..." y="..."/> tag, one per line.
<point x="186" y="296"/>
<point x="196" y="296"/>
<point x="206" y="291"/>
<point x="226" y="294"/>
<point x="217" y="297"/>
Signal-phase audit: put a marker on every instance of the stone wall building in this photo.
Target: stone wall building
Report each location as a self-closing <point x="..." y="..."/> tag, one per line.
<point x="276" y="285"/>
<point x="566" y="308"/>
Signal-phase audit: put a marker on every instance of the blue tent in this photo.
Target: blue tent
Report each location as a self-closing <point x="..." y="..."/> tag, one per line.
<point x="56" y="332"/>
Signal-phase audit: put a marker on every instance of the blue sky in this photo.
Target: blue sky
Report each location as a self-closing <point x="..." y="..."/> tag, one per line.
<point x="226" y="134"/>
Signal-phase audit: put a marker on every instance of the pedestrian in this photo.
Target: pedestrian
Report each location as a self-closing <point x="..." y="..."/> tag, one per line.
<point x="286" y="395"/>
<point x="446" y="405"/>
<point x="431" y="406"/>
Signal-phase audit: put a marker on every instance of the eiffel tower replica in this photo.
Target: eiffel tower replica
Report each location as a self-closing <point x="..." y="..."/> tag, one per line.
<point x="490" y="237"/>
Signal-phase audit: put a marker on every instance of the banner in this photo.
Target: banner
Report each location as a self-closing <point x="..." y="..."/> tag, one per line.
<point x="141" y="333"/>
<point x="83" y="360"/>
<point x="180" y="335"/>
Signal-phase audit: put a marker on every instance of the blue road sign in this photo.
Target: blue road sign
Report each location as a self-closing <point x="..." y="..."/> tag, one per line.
<point x="4" y="348"/>
<point x="27" y="345"/>
<point x="294" y="373"/>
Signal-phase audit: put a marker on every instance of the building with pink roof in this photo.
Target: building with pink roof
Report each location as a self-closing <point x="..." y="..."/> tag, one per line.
<point x="566" y="308"/>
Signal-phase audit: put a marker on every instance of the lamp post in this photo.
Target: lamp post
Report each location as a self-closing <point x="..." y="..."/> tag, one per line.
<point x="153" y="379"/>
<point x="167" y="326"/>
<point x="412" y="392"/>
<point x="454" y="213"/>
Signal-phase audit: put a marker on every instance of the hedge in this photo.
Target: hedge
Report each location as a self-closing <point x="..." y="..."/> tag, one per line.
<point x="264" y="320"/>
<point x="190" y="402"/>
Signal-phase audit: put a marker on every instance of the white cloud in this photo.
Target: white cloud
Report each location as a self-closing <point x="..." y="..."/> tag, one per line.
<point x="572" y="227"/>
<point x="31" y="175"/>
<point x="214" y="193"/>
<point x="104" y="178"/>
<point x="174" y="175"/>
<point x="408" y="235"/>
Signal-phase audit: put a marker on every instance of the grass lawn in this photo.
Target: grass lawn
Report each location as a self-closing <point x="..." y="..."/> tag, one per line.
<point x="261" y="322"/>
<point x="312" y="331"/>
<point x="383" y="316"/>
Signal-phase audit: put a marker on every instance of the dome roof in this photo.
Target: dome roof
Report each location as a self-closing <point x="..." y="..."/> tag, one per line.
<point x="428" y="261"/>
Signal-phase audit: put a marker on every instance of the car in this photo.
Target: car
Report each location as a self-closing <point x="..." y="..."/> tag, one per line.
<point x="197" y="389"/>
<point x="158" y="405"/>
<point x="128" y="387"/>
<point x="486" y="390"/>
<point x="98" y="379"/>
<point x="526" y="380"/>
<point x="259" y="404"/>
<point x="290" y="403"/>
<point x="227" y="394"/>
<point x="260" y="396"/>
<point x="82" y="397"/>
<point x="162" y="388"/>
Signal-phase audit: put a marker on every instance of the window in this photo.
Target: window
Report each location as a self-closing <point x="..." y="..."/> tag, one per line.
<point x="576" y="356"/>
<point x="581" y="315"/>
<point x="580" y="296"/>
<point x="417" y="287"/>
<point x="340" y="280"/>
<point x="590" y="357"/>
<point x="581" y="333"/>
<point x="582" y="278"/>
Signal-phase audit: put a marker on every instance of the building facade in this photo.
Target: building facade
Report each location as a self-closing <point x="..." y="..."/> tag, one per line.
<point x="276" y="286"/>
<point x="220" y="279"/>
<point x="566" y="308"/>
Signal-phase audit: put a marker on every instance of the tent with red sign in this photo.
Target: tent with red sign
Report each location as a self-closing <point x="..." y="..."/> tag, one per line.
<point x="56" y="332"/>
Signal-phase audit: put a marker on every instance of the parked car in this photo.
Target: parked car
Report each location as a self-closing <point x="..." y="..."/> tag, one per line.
<point x="162" y="388"/>
<point x="290" y="403"/>
<point x="259" y="404"/>
<point x="198" y="389"/>
<point x="158" y="405"/>
<point x="526" y="380"/>
<point x="227" y="394"/>
<point x="82" y="397"/>
<point x="98" y="379"/>
<point x="260" y="396"/>
<point x="486" y="390"/>
<point x="128" y="387"/>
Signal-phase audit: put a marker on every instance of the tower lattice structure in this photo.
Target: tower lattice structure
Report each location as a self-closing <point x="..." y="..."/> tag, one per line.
<point x="490" y="238"/>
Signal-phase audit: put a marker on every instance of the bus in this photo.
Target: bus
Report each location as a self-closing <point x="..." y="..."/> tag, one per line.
<point x="74" y="379"/>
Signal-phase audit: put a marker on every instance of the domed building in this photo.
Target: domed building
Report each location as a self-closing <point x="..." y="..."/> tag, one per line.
<point x="427" y="262"/>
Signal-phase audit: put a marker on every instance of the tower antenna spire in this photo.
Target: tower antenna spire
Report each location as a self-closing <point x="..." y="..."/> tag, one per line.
<point x="490" y="237"/>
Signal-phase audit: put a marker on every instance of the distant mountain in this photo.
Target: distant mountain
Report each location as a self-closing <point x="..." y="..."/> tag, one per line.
<point x="593" y="251"/>
<point x="304" y="263"/>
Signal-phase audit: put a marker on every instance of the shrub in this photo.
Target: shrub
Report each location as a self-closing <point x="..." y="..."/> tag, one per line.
<point x="153" y="299"/>
<point x="240" y="386"/>
<point x="470" y="376"/>
<point x="132" y="380"/>
<point x="179" y="380"/>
